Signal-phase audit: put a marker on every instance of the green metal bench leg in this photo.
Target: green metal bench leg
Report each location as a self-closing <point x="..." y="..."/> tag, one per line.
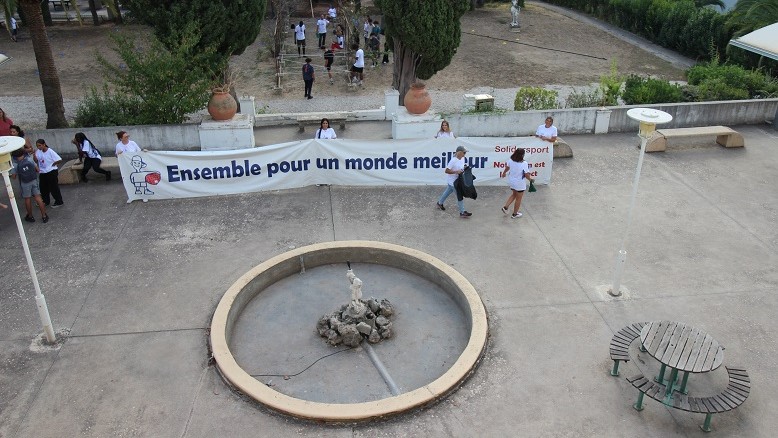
<point x="661" y="376"/>
<point x="639" y="405"/>
<point x="615" y="370"/>
<point x="671" y="382"/>
<point x="706" y="426"/>
<point x="683" y="382"/>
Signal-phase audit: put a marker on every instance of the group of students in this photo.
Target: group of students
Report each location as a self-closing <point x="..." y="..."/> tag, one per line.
<point x="38" y="170"/>
<point x="516" y="169"/>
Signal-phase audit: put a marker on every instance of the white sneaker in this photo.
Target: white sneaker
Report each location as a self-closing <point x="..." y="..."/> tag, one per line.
<point x="129" y="201"/>
<point x="517" y="215"/>
<point x="504" y="210"/>
<point x="146" y="200"/>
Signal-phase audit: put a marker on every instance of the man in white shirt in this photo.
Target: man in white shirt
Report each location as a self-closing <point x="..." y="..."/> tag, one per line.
<point x="14" y="28"/>
<point x="547" y="131"/>
<point x="322" y="30"/>
<point x="299" y="36"/>
<point x="48" y="165"/>
<point x="359" y="64"/>
<point x="332" y="12"/>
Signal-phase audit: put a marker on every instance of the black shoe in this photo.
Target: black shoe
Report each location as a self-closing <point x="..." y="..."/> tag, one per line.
<point x="29" y="219"/>
<point x="108" y="175"/>
<point x="310" y="97"/>
<point x="45" y="219"/>
<point x="58" y="204"/>
<point x="440" y="206"/>
<point x="465" y="214"/>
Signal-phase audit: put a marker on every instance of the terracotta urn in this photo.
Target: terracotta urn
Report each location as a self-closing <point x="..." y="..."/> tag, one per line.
<point x="417" y="99"/>
<point x="222" y="106"/>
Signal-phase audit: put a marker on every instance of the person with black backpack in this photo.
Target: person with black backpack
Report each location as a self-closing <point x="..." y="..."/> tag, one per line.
<point x="26" y="171"/>
<point x="91" y="156"/>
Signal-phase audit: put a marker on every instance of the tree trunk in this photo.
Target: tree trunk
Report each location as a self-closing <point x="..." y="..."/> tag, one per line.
<point x="46" y="13"/>
<point x="404" y="74"/>
<point x="52" y="92"/>
<point x="93" y="10"/>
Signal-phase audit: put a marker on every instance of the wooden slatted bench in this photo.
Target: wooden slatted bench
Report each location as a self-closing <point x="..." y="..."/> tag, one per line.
<point x="725" y="136"/>
<point x="302" y="121"/>
<point x="620" y="343"/>
<point x="736" y="392"/>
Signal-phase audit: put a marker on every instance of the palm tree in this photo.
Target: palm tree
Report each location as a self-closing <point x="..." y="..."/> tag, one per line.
<point x="703" y="3"/>
<point x="749" y="15"/>
<point x="52" y="91"/>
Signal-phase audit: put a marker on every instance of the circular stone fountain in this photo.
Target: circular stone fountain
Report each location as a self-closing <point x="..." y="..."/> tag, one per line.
<point x="267" y="320"/>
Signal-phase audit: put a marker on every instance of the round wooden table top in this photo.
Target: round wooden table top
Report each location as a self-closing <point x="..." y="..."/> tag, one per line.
<point x="681" y="346"/>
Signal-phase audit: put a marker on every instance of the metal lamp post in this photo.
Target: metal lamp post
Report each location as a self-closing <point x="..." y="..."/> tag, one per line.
<point x="9" y="144"/>
<point x="648" y="119"/>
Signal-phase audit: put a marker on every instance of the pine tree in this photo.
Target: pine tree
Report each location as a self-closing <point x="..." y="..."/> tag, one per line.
<point x="425" y="34"/>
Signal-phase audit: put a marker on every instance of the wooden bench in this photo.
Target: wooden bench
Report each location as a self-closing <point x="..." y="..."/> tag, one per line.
<point x="70" y="172"/>
<point x="620" y="343"/>
<point x="734" y="395"/>
<point x="302" y="121"/>
<point x="725" y="136"/>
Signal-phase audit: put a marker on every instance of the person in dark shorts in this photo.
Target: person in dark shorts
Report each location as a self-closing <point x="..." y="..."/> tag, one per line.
<point x="359" y="64"/>
<point x="329" y="58"/>
<point x="308" y="77"/>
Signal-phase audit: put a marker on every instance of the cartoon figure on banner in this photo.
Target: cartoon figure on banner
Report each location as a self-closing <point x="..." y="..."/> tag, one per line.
<point x="142" y="178"/>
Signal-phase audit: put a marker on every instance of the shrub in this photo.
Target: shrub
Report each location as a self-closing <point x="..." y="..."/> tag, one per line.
<point x="535" y="98"/>
<point x="610" y="86"/>
<point x="725" y="78"/>
<point x="107" y="109"/>
<point x="584" y="99"/>
<point x="718" y="89"/>
<point x="638" y="91"/>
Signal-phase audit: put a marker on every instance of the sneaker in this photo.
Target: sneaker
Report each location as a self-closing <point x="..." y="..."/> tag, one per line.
<point x="440" y="206"/>
<point x="310" y="97"/>
<point x="517" y="215"/>
<point x="129" y="201"/>
<point x="465" y="214"/>
<point x="45" y="219"/>
<point x="360" y="83"/>
<point x="332" y="82"/>
<point x="29" y="219"/>
<point x="108" y="175"/>
<point x="145" y="200"/>
<point x="57" y="204"/>
<point x="504" y="210"/>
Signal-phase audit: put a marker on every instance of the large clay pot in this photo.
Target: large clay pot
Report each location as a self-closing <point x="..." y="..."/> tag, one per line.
<point x="222" y="106"/>
<point x="417" y="99"/>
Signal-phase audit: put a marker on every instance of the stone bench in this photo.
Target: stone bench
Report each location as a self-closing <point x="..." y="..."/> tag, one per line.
<point x="70" y="171"/>
<point x="725" y="136"/>
<point x="302" y="121"/>
<point x="562" y="149"/>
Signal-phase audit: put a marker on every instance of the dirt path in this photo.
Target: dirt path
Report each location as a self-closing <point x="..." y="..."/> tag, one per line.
<point x="493" y="60"/>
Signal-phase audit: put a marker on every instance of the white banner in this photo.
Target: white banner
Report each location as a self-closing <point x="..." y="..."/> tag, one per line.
<point x="174" y="174"/>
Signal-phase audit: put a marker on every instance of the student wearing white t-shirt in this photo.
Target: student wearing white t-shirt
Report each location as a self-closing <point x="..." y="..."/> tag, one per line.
<point x="325" y="132"/>
<point x="547" y="131"/>
<point x="299" y="37"/>
<point x="454" y="168"/>
<point x="48" y="166"/>
<point x="322" y="30"/>
<point x="125" y="144"/>
<point x="91" y="156"/>
<point x="445" y="131"/>
<point x="518" y="172"/>
<point x="333" y="13"/>
<point x="359" y="63"/>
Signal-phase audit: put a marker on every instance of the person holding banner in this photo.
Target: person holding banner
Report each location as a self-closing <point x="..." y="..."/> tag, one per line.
<point x="518" y="173"/>
<point x="445" y="131"/>
<point x="325" y="132"/>
<point x="454" y="168"/>
<point x="547" y="131"/>
<point x="125" y="144"/>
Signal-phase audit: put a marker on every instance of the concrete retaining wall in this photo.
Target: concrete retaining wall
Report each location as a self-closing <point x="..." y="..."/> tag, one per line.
<point x="152" y="137"/>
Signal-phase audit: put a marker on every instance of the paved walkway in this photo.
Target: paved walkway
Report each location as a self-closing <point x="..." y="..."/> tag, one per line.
<point x="136" y="286"/>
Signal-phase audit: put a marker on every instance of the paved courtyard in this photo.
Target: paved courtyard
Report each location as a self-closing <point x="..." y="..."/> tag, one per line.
<point x="137" y="284"/>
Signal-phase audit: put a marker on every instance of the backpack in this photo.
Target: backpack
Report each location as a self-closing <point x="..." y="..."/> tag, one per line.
<point x="26" y="171"/>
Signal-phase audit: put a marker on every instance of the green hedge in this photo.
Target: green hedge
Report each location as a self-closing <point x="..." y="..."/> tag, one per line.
<point x="640" y="91"/>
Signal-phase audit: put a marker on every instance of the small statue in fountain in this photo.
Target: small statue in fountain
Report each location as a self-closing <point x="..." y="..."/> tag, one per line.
<point x="356" y="308"/>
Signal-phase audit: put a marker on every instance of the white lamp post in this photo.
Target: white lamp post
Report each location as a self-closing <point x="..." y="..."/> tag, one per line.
<point x="648" y="119"/>
<point x="9" y="144"/>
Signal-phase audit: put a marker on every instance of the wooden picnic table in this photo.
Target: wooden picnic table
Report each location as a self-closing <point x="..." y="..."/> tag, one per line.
<point x="682" y="348"/>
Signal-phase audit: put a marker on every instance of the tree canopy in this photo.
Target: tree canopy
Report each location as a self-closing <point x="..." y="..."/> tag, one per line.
<point x="426" y="35"/>
<point x="228" y="26"/>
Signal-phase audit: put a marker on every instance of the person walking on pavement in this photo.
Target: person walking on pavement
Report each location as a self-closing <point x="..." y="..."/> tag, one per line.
<point x="322" y="30"/>
<point x="26" y="171"/>
<point x="14" y="29"/>
<point x="329" y="58"/>
<point x="359" y="65"/>
<point x="48" y="165"/>
<point x="308" y="77"/>
<point x="518" y="172"/>
<point x="454" y="168"/>
<point x="91" y="156"/>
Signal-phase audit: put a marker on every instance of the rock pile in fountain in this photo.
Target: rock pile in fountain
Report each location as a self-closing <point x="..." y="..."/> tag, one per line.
<point x="356" y="321"/>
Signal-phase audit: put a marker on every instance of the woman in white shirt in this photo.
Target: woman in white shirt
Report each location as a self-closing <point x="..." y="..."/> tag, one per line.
<point x="518" y="172"/>
<point x="547" y="131"/>
<point x="91" y="156"/>
<point x="324" y="131"/>
<point x="125" y="144"/>
<point x="445" y="131"/>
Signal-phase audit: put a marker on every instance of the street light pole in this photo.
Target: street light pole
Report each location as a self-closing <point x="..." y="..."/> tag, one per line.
<point x="7" y="145"/>
<point x="648" y="119"/>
